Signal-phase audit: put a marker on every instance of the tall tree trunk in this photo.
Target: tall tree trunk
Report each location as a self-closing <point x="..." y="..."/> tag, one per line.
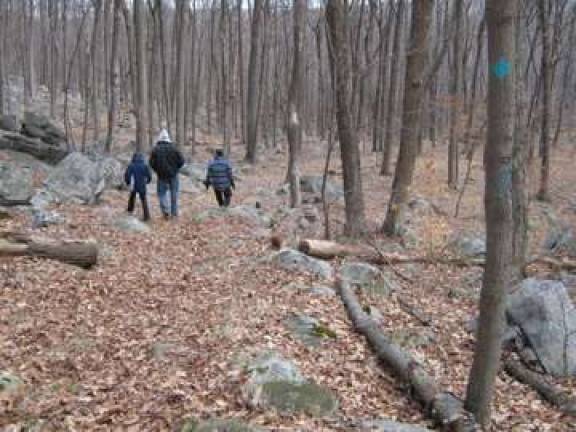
<point x="544" y="7"/>
<point x="336" y="16"/>
<point x="252" y="96"/>
<point x="453" y="150"/>
<point x="413" y="95"/>
<point x="93" y="71"/>
<point x="2" y="30"/>
<point x="241" y="73"/>
<point x="295" y="94"/>
<point x="112" y="76"/>
<point x="141" y="106"/>
<point x="385" y="169"/>
<point x="180" y="83"/>
<point x="498" y="202"/>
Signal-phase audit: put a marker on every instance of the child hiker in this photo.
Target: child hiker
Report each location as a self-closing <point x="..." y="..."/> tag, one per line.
<point x="138" y="174"/>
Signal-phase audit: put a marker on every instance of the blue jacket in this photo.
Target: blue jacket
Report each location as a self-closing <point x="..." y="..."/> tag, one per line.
<point x="219" y="174"/>
<point x="138" y="173"/>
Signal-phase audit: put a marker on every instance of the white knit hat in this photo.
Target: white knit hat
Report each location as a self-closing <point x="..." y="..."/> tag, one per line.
<point x="164" y="136"/>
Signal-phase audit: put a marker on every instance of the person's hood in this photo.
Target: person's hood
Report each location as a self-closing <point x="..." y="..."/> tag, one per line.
<point x="164" y="136"/>
<point x="138" y="158"/>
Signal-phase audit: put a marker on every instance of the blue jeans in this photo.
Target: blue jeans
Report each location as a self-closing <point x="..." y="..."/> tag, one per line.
<point x="164" y="186"/>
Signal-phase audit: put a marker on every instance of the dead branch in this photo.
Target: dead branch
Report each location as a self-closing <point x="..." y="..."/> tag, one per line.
<point x="444" y="407"/>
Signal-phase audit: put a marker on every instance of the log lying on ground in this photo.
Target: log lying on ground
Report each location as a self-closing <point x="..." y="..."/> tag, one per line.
<point x="328" y="249"/>
<point x="48" y="153"/>
<point x="549" y="392"/>
<point x="444" y="407"/>
<point x="79" y="253"/>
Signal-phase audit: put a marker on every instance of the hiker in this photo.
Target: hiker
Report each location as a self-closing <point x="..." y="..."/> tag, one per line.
<point x="166" y="161"/>
<point x="219" y="176"/>
<point x="138" y="175"/>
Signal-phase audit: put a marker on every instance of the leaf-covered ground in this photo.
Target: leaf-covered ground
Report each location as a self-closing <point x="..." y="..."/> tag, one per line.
<point x="156" y="331"/>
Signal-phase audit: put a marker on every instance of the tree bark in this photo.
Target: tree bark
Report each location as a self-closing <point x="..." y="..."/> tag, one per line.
<point x="112" y="76"/>
<point x="393" y="92"/>
<point x="252" y="93"/>
<point x="501" y="22"/>
<point x="453" y="151"/>
<point x="544" y="7"/>
<point x="141" y="105"/>
<point x="413" y="96"/>
<point x="293" y="123"/>
<point x="180" y="76"/>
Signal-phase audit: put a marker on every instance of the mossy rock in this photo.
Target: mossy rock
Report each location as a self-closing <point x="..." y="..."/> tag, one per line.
<point x="217" y="425"/>
<point x="308" y="329"/>
<point x="9" y="382"/>
<point x="290" y="398"/>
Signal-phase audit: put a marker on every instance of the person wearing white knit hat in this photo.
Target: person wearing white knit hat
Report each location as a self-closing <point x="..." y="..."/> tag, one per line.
<point x="166" y="162"/>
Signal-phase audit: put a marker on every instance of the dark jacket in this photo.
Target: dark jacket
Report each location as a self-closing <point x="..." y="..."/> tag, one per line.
<point x="219" y="174"/>
<point x="138" y="173"/>
<point x="166" y="160"/>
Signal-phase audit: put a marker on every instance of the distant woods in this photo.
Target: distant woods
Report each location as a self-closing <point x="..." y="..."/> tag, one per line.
<point x="226" y="68"/>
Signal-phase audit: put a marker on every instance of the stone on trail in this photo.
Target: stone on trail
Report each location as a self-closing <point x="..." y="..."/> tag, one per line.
<point x="37" y="126"/>
<point x="9" y="383"/>
<point x="384" y="425"/>
<point x="308" y="329"/>
<point x="217" y="425"/>
<point x="42" y="218"/>
<point x="131" y="224"/>
<point x="293" y="260"/>
<point x="560" y="239"/>
<point x="16" y="184"/>
<point x="254" y="216"/>
<point x="313" y="185"/>
<point x="9" y="123"/>
<point x="322" y="291"/>
<point x="276" y="383"/>
<point x="368" y="277"/>
<point x="469" y="245"/>
<point x="547" y="318"/>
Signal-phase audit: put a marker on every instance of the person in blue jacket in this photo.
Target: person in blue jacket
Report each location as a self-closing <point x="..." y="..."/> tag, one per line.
<point x="138" y="175"/>
<point x="219" y="176"/>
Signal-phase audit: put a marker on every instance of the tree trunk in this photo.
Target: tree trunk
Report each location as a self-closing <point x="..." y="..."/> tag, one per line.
<point x="241" y="74"/>
<point x="546" y="76"/>
<point x="252" y="93"/>
<point x="413" y="96"/>
<point x="501" y="22"/>
<point x="293" y="123"/>
<point x="2" y="30"/>
<point x="393" y="92"/>
<point x="453" y="150"/>
<point x="336" y="17"/>
<point x="141" y="98"/>
<point x="180" y="83"/>
<point x="112" y="76"/>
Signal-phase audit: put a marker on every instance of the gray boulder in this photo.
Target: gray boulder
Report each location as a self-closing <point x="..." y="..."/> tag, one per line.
<point x="42" y="218"/>
<point x="130" y="224"/>
<point x="293" y="260"/>
<point x="322" y="291"/>
<point x="20" y="143"/>
<point x="9" y="123"/>
<point x="37" y="126"/>
<point x="546" y="316"/>
<point x="217" y="425"/>
<point x="384" y="425"/>
<point x="77" y="179"/>
<point x="560" y="239"/>
<point x="16" y="184"/>
<point x="276" y="383"/>
<point x="9" y="382"/>
<point x="367" y="277"/>
<point x="308" y="329"/>
<point x="313" y="185"/>
<point x="196" y="171"/>
<point x="469" y="245"/>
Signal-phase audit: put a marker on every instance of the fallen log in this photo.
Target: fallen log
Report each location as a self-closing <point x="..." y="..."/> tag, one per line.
<point x="328" y="249"/>
<point x="79" y="253"/>
<point x="556" y="263"/>
<point x="548" y="391"/>
<point x="442" y="406"/>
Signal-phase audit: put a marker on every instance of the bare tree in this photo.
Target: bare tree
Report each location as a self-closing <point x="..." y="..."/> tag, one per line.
<point x="413" y="95"/>
<point x="112" y="76"/>
<point x="544" y="10"/>
<point x="336" y="17"/>
<point x="294" y="122"/>
<point x="501" y="21"/>
<point x="252" y="92"/>
<point x="141" y="99"/>
<point x="453" y="150"/>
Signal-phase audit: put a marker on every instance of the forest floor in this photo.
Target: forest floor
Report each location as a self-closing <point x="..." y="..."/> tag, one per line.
<point x="153" y="333"/>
